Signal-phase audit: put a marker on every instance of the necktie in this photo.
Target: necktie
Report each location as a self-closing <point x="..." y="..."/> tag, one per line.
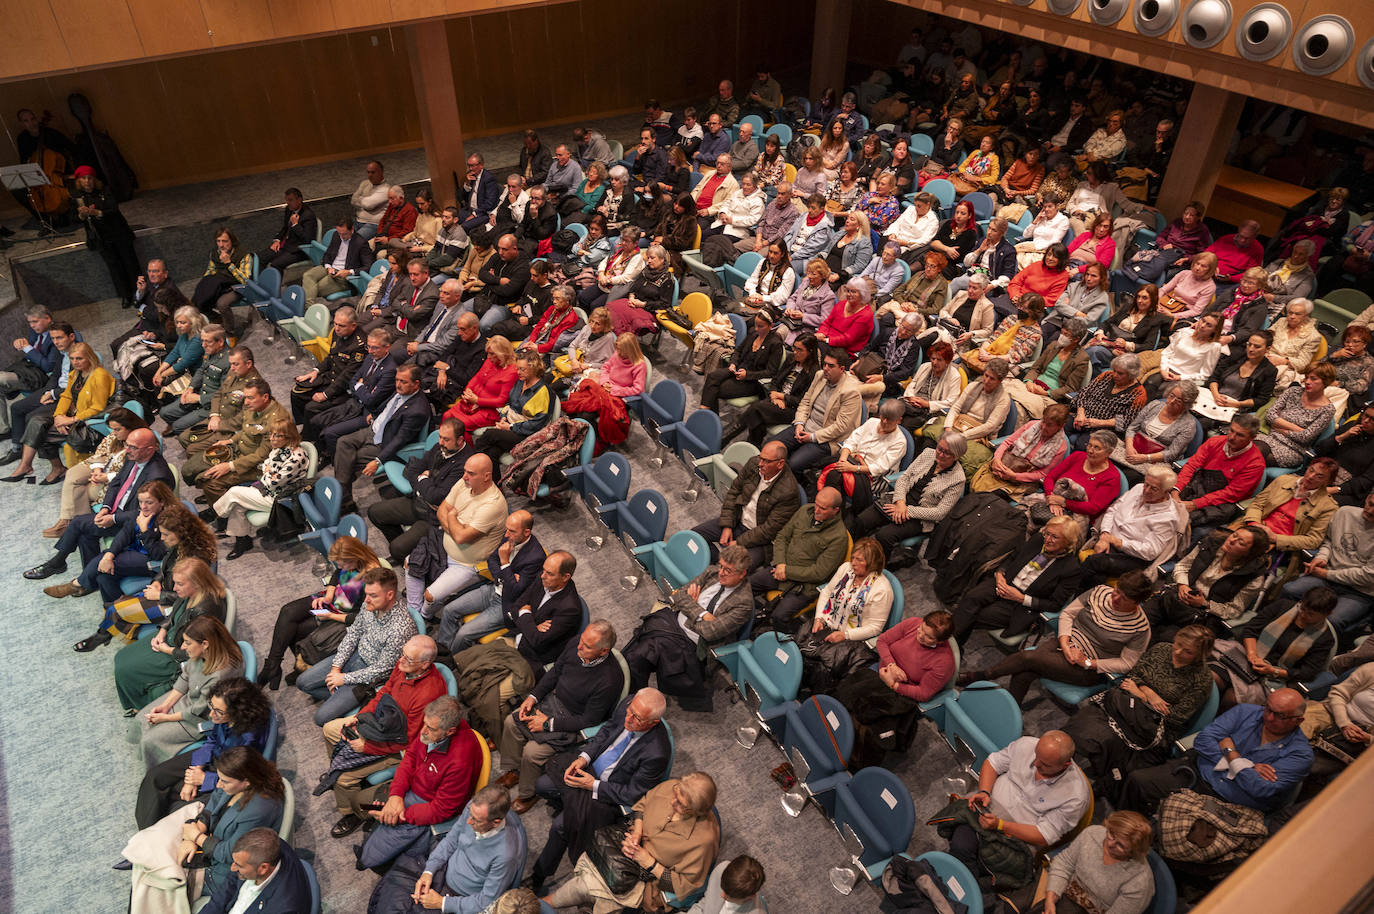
<point x="433" y="324"/>
<point x="125" y="489"/>
<point x="401" y="321"/>
<point x="379" y="424"/>
<point x="711" y="607"/>
<point x="612" y="755"/>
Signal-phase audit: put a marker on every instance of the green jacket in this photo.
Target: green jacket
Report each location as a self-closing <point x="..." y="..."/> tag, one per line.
<point x="812" y="552"/>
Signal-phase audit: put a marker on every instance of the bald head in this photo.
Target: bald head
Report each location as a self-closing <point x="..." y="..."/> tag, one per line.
<point x="522" y="519"/>
<point x="1283" y="712"/>
<point x="774" y="450"/>
<point x="1053" y="753"/>
<point x="477" y="473"/>
<point x="141" y="438"/>
<point x="420" y="649"/>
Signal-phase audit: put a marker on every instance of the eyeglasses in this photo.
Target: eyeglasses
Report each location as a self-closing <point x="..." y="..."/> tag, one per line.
<point x="1277" y="716"/>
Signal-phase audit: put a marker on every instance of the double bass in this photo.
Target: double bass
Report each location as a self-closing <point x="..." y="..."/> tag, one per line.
<point x="53" y="198"/>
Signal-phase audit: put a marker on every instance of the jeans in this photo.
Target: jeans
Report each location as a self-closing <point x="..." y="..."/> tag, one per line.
<point x="483" y="600"/>
<point x="495" y="315"/>
<point x="803" y="456"/>
<point x="340" y="702"/>
<point x="388" y="842"/>
<point x="1352" y="607"/>
<point x="365" y="230"/>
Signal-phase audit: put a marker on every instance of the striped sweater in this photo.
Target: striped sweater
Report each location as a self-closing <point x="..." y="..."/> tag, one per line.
<point x="1113" y="640"/>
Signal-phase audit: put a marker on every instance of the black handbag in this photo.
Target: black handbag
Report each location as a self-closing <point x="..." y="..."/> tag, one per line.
<point x="84" y="439"/>
<point x="1140" y="726"/>
<point x="619" y="872"/>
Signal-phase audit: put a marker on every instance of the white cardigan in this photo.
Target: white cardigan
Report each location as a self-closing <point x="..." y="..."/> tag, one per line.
<point x="745" y="211"/>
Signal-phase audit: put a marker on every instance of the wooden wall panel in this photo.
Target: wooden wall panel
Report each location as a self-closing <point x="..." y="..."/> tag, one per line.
<point x="97" y="31"/>
<point x="32" y="41"/>
<point x="169" y="26"/>
<point x="299" y="17"/>
<point x="235" y="21"/>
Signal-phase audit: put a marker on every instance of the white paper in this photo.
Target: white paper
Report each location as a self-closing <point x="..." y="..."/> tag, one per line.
<point x="955" y="888"/>
<point x="615" y="469"/>
<point x="834" y="721"/>
<point x="651" y="507"/>
<point x="692" y="545"/>
<point x="888" y="798"/>
<point x="781" y="655"/>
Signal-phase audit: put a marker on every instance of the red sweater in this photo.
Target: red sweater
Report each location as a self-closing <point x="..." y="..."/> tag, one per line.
<point x="849" y="332"/>
<point x="1233" y="261"/>
<point x="1101" y="488"/>
<point x="927" y="669"/>
<point x="1049" y="284"/>
<point x="491" y="384"/>
<point x="397" y="221"/>
<point x="411" y="696"/>
<point x="445" y="778"/>
<point x="565" y="321"/>
<point x="1242" y="472"/>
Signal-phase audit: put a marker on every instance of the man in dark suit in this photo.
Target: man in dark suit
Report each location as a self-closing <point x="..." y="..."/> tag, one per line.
<point x="448" y="377"/>
<point x="481" y="193"/>
<point x="758" y="504"/>
<point x="279" y="881"/>
<point x="299" y="225"/>
<point x="327" y="383"/>
<point x="400" y="422"/>
<point x="347" y="254"/>
<point x="143" y="463"/>
<point x="34" y="360"/>
<point x="511" y="566"/>
<point x="365" y="392"/>
<point x="405" y="519"/>
<point x="43" y="399"/>
<point x="539" y="222"/>
<point x="548" y="614"/>
<point x="408" y="311"/>
<point x="503" y="276"/>
<point x="672" y="642"/>
<point x="629" y="755"/>
<point x="1069" y="135"/>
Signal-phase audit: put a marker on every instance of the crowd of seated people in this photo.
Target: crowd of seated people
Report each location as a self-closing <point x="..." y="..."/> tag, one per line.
<point x="1191" y="484"/>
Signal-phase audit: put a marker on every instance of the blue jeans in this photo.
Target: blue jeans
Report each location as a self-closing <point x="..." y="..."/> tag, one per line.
<point x="389" y="842"/>
<point x="1352" y="607"/>
<point x="365" y="230"/>
<point x="495" y="315"/>
<point x="336" y="704"/>
<point x="803" y="456"/>
<point x="482" y="600"/>
<point x="1101" y="357"/>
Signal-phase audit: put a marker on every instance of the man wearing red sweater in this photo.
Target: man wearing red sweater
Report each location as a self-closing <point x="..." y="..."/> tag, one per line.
<point x="435" y="780"/>
<point x="1237" y="253"/>
<point x="1224" y="471"/>
<point x="398" y="220"/>
<point x="413" y="684"/>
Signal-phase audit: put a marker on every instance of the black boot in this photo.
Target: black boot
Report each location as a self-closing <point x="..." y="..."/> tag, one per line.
<point x="241" y="545"/>
<point x="730" y="432"/>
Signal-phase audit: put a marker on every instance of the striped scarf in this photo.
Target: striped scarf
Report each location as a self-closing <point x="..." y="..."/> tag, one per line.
<point x="1298" y="648"/>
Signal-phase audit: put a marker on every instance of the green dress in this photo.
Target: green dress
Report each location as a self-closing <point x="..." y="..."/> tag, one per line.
<point x="141" y="673"/>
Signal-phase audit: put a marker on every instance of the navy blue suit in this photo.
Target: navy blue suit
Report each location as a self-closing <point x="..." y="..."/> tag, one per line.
<point x="82" y="532"/>
<point x="334" y="419"/>
<point x="488" y="195"/>
<point x="359" y="257"/>
<point x="355" y="449"/>
<point x="287" y="893"/>
<point x="642" y="766"/>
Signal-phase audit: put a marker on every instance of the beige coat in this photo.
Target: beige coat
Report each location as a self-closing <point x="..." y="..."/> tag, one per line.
<point x="841" y="413"/>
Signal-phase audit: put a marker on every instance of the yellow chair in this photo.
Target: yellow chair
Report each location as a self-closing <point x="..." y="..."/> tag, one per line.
<point x="697" y="307"/>
<point x="789" y="172"/>
<point x="481" y="569"/>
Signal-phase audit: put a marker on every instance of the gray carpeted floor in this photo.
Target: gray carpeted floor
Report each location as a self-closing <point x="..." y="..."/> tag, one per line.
<point x="67" y="768"/>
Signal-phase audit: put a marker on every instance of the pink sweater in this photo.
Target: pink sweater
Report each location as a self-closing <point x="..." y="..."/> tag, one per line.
<point x="623" y="379"/>
<point x="1196" y="294"/>
<point x="927" y="669"/>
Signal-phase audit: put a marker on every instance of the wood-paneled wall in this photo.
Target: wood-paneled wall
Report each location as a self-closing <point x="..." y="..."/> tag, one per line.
<point x="223" y="113"/>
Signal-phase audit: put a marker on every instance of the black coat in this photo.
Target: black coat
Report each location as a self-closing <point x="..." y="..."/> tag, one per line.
<point x="563" y="610"/>
<point x="1150" y="333"/>
<point x="287" y="893"/>
<point x="292" y="237"/>
<point x="156" y="468"/>
<point x="1356" y="456"/>
<point x="358" y="259"/>
<point x="1259" y="387"/>
<point x="1057" y="584"/>
<point x="404" y="427"/>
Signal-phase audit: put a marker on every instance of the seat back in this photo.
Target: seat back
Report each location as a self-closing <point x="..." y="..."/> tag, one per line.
<point x="294" y="300"/>
<point x="317" y="316"/>
<point x="898" y="599"/>
<point x="1012" y="421"/>
<point x="250" y="661"/>
<point x="738" y="453"/>
<point x="993" y="712"/>
<point x="743" y="267"/>
<point x="1352" y="300"/>
<point x="608" y="480"/>
<point x="645" y="518"/>
<point x="450" y="684"/>
<point x="921" y="145"/>
<point x="314" y="882"/>
<point x="943" y="190"/>
<point x="273" y="739"/>
<point x="231" y="610"/>
<point x="688" y="554"/>
<point x="776" y="670"/>
<point x="741" y="329"/>
<point x="577" y="229"/>
<point x="703" y="425"/>
<point x="288" y="812"/>
<point x="782" y="132"/>
<point x="1165" y="899"/>
<point x="755" y="120"/>
<point x="982" y="205"/>
<point x="956" y="879"/>
<point x="624" y="673"/>
<point x="323" y="509"/>
<point x="352" y="525"/>
<point x="810" y="727"/>
<point x="269" y="280"/>
<point x="877" y="806"/>
<point x="910" y="453"/>
<point x="697" y="307"/>
<point x="666" y="403"/>
<point x="584" y="453"/>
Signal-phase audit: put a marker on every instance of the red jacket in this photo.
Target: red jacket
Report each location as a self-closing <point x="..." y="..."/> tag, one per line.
<point x="444" y="778"/>
<point x="397" y="221"/>
<point x="411" y="696"/>
<point x="849" y="332"/>
<point x="566" y="321"/>
<point x="1242" y="473"/>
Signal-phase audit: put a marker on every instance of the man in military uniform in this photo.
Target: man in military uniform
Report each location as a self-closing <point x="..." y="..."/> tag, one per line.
<point x="327" y="385"/>
<point x="194" y="405"/>
<point x="226" y="404"/>
<point x="246" y="450"/>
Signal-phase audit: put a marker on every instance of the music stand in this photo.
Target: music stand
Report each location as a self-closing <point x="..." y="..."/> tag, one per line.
<point x="25" y="178"/>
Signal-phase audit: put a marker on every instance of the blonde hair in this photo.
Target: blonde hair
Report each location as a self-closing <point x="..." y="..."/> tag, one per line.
<point x="193" y="315"/>
<point x="600" y="317"/>
<point x="288" y="428"/>
<point x="1133" y="830"/>
<point x="505" y="352"/>
<point x="199" y="575"/>
<point x="627" y="347"/>
<point x="1209" y="259"/>
<point x="1068" y="528"/>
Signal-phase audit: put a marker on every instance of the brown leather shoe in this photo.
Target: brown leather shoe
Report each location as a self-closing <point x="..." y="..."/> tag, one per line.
<point x="522" y="805"/>
<point x="55" y="530"/>
<point x="69" y="589"/>
<point x="509" y="779"/>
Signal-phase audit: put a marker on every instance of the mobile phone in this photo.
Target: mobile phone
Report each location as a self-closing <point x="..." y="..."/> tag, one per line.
<point x="981" y="806"/>
<point x="350" y="732"/>
<point x="376" y="805"/>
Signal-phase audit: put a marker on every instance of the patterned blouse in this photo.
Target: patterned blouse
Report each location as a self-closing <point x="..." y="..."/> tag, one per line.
<point x="1098" y="402"/>
<point x="1185" y="690"/>
<point x="114" y="461"/>
<point x="844" y="197"/>
<point x="1354" y="374"/>
<point x="1286" y="448"/>
<point x="881" y="211"/>
<point x="770" y="175"/>
<point x="283" y="471"/>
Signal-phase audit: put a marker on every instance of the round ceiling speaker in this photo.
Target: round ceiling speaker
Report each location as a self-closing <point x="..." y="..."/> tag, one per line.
<point x="1205" y="22"/>
<point x="1155" y="17"/>
<point x="1364" y="65"/>
<point x="1107" y="12"/>
<point x="1262" y="32"/>
<point x="1323" y="44"/>
<point x="1063" y="7"/>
